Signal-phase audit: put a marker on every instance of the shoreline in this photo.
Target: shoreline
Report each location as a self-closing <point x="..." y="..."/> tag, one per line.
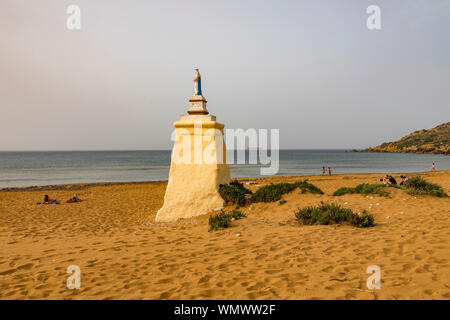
<point x="81" y="186"/>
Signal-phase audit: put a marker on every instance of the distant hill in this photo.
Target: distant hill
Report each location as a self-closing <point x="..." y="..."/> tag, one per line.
<point x="435" y="140"/>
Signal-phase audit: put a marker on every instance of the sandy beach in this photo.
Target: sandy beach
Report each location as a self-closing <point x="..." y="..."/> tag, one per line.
<point x="123" y="254"/>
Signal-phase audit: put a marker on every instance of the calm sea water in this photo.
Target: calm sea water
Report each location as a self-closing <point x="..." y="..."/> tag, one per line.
<point x="45" y="168"/>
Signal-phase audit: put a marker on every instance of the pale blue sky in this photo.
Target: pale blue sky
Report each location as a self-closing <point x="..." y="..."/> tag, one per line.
<point x="309" y="68"/>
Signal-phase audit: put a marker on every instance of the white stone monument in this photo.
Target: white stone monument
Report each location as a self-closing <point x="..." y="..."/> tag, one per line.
<point x="198" y="164"/>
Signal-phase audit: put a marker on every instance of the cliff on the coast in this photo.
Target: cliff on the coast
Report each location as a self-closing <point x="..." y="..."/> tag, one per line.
<point x="435" y="140"/>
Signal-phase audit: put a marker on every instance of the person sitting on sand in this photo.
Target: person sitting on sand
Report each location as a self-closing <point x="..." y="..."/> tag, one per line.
<point x="405" y="179"/>
<point x="74" y="199"/>
<point x="389" y="180"/>
<point x="392" y="180"/>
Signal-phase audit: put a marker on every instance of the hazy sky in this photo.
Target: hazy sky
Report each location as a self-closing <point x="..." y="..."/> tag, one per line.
<point x="310" y="68"/>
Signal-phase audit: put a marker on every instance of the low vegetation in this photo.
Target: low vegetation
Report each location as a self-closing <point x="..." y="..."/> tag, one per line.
<point x="343" y="190"/>
<point x="327" y="214"/>
<point x="223" y="220"/>
<point x="415" y="186"/>
<point x="364" y="189"/>
<point x="274" y="192"/>
<point x="219" y="221"/>
<point x="235" y="192"/>
<point x="305" y="186"/>
<point x="419" y="186"/>
<point x="236" y="214"/>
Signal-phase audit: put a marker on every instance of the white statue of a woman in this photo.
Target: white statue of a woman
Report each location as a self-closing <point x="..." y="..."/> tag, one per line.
<point x="197" y="83"/>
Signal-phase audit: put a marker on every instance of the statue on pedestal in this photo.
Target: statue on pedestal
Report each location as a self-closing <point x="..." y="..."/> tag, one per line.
<point x="198" y="163"/>
<point x="197" y="83"/>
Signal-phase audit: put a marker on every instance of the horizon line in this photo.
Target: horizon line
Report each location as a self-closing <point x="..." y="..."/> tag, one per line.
<point x="125" y="150"/>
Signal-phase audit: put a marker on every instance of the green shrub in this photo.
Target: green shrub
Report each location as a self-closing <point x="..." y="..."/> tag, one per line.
<point x="305" y="186"/>
<point x="274" y="192"/>
<point x="363" y="220"/>
<point x="326" y="214"/>
<point x="282" y="201"/>
<point x="223" y="220"/>
<point x="343" y="190"/>
<point x="236" y="214"/>
<point x="419" y="186"/>
<point x="235" y="192"/>
<point x="364" y="189"/>
<point x="219" y="221"/>
<point x="372" y="188"/>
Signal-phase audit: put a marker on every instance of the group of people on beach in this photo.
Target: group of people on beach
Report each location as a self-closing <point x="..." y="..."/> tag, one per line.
<point x="324" y="170"/>
<point x="48" y="200"/>
<point x="388" y="179"/>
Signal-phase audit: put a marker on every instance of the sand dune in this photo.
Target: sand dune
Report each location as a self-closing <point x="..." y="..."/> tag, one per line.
<point x="123" y="254"/>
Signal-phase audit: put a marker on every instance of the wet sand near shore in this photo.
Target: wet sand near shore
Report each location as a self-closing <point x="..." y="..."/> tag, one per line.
<point x="123" y="254"/>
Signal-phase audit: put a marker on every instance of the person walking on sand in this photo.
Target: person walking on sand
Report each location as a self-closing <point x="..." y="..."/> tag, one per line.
<point x="329" y="171"/>
<point x="323" y="171"/>
<point x="433" y="167"/>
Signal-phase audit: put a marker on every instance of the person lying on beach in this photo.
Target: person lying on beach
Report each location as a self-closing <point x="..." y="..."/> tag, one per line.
<point x="48" y="200"/>
<point x="74" y="199"/>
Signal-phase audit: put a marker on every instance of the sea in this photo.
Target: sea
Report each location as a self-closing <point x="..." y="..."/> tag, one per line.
<point x="20" y="169"/>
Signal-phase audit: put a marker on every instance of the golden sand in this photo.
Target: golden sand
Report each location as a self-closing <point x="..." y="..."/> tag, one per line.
<point x="123" y="254"/>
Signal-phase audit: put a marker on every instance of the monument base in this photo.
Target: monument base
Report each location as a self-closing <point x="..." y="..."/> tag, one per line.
<point x="197" y="169"/>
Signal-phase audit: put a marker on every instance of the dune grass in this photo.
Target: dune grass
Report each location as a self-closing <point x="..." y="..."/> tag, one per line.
<point x="236" y="214"/>
<point x="364" y="189"/>
<point x="415" y="186"/>
<point x="219" y="221"/>
<point x="235" y="192"/>
<point x="326" y="214"/>
<point x="223" y="219"/>
<point x="305" y="186"/>
<point x="274" y="192"/>
<point x="419" y="186"/>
